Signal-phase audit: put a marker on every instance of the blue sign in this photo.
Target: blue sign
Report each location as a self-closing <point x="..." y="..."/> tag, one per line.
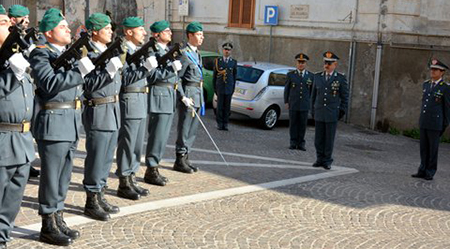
<point x="271" y="15"/>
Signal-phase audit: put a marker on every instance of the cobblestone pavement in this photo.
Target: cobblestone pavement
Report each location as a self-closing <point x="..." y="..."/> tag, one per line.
<point x="270" y="197"/>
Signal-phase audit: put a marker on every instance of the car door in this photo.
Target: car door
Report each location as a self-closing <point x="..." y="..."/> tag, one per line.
<point x="275" y="94"/>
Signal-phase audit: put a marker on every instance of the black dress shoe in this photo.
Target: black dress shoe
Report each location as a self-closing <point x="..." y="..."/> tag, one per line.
<point x="2" y="245"/>
<point x="292" y="147"/>
<point x="34" y="172"/>
<point x="302" y="148"/>
<point x="417" y="175"/>
<point x="220" y="128"/>
<point x="225" y="128"/>
<point x="317" y="164"/>
<point x="428" y="178"/>
<point x="328" y="167"/>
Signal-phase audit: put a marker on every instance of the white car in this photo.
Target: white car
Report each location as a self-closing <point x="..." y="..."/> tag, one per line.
<point x="259" y="92"/>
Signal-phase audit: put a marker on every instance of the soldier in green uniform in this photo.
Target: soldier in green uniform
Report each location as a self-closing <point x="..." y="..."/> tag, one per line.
<point x="163" y="83"/>
<point x="16" y="149"/>
<point x="329" y="98"/>
<point x="101" y="120"/>
<point x="224" y="82"/>
<point x="133" y="113"/>
<point x="297" y="92"/>
<point x="20" y="14"/>
<point x="434" y="119"/>
<point x="191" y="98"/>
<point x="57" y="125"/>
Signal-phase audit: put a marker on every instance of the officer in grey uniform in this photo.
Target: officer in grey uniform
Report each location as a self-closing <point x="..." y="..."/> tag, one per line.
<point x="20" y="14"/>
<point x="434" y="119"/>
<point x="133" y="113"/>
<point x="163" y="83"/>
<point x="16" y="149"/>
<point x="224" y="82"/>
<point x="57" y="125"/>
<point x="297" y="92"/>
<point x="329" y="98"/>
<point x="191" y="98"/>
<point x="101" y="120"/>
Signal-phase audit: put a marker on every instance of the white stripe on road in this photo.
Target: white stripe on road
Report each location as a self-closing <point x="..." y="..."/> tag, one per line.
<point x="183" y="200"/>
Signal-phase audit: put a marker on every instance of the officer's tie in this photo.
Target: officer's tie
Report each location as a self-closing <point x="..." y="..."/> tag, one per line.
<point x="327" y="77"/>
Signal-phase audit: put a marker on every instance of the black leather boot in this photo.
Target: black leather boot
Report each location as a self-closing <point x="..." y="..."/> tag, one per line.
<point x="104" y="203"/>
<point x="126" y="190"/>
<point x="180" y="164"/>
<point x="73" y="234"/>
<point x="140" y="190"/>
<point x="152" y="176"/>
<point x="195" y="168"/>
<point x="3" y="245"/>
<point x="93" y="208"/>
<point x="34" y="172"/>
<point x="51" y="234"/>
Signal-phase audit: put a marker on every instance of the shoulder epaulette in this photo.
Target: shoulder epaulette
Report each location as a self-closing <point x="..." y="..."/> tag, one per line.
<point x="41" y="46"/>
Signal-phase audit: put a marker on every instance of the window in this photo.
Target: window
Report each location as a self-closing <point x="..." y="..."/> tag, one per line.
<point x="248" y="74"/>
<point x="241" y="13"/>
<point x="277" y="78"/>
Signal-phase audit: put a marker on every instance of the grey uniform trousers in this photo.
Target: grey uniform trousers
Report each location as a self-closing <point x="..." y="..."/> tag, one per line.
<point x="186" y="129"/>
<point x="56" y="171"/>
<point x="12" y="185"/>
<point x="129" y="147"/>
<point x="158" y="133"/>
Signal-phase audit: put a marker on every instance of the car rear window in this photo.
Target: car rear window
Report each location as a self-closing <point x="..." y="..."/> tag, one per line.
<point x="248" y="74"/>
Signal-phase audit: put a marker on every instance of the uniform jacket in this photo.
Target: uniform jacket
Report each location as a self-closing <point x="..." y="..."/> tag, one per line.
<point x="134" y="105"/>
<point x="16" y="106"/>
<point x="162" y="99"/>
<point x="328" y="97"/>
<point x="435" y="111"/>
<point x="297" y="90"/>
<point x="55" y="86"/>
<point x="99" y="84"/>
<point x="191" y="73"/>
<point x="224" y="75"/>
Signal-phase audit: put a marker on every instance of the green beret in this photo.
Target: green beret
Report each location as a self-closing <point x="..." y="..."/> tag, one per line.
<point x="194" y="27"/>
<point x="133" y="22"/>
<point x="97" y="21"/>
<point x="2" y="10"/>
<point x="51" y="19"/>
<point x="18" y="10"/>
<point x="159" y="26"/>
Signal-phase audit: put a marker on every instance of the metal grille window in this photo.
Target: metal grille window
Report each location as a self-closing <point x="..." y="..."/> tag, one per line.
<point x="241" y="13"/>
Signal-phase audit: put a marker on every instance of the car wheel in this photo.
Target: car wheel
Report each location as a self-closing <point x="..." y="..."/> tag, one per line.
<point x="269" y="118"/>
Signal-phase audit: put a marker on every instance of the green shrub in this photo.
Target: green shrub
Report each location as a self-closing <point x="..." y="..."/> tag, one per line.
<point x="413" y="133"/>
<point x="394" y="131"/>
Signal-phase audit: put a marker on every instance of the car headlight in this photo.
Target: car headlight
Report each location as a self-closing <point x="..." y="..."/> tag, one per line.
<point x="260" y="94"/>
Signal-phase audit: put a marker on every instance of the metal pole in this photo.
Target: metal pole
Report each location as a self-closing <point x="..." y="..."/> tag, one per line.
<point x="270" y="44"/>
<point x="351" y="74"/>
<point x="376" y="84"/>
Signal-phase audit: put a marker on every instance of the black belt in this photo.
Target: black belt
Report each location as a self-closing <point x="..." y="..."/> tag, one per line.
<point x="102" y="101"/>
<point x="168" y="85"/>
<point x="22" y="127"/>
<point x="133" y="89"/>
<point x="194" y="84"/>
<point x="76" y="104"/>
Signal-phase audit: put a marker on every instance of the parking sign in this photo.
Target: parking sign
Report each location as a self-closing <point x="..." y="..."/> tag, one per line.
<point x="271" y="15"/>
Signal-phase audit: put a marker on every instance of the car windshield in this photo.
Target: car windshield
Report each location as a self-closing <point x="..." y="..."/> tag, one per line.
<point x="248" y="74"/>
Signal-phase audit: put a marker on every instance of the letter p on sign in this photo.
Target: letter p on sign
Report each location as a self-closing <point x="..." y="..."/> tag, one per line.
<point x="271" y="15"/>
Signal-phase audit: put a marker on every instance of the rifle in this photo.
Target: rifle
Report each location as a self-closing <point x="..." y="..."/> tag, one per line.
<point x="32" y="35"/>
<point x="142" y="52"/>
<point x="14" y="43"/>
<point x="74" y="52"/>
<point x="116" y="48"/>
<point x="173" y="54"/>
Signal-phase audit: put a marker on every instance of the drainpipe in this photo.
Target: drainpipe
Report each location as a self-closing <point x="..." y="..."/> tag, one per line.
<point x="352" y="62"/>
<point x="376" y="80"/>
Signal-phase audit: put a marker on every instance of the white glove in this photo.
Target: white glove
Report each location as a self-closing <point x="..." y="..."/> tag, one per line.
<point x="151" y="63"/>
<point x="113" y="66"/>
<point x="28" y="51"/>
<point x="187" y="102"/>
<point x="85" y="66"/>
<point x="18" y="65"/>
<point x="177" y="65"/>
